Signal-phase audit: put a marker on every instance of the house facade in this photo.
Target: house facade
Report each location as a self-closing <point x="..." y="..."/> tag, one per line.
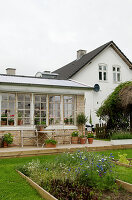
<point x="28" y="101"/>
<point x="105" y="66"/>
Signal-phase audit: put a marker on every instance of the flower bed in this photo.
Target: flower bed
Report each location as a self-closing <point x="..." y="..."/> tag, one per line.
<point x="73" y="176"/>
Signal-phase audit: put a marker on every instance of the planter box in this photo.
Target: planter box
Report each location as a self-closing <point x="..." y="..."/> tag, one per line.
<point x="44" y="194"/>
<point x="74" y="140"/>
<point x="50" y="145"/>
<point x="121" y="141"/>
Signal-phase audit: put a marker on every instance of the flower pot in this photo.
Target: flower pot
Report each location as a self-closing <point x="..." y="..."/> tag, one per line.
<point x="20" y="122"/>
<point x="3" y="122"/>
<point x="74" y="140"/>
<point x="50" y="145"/>
<point x="5" y="144"/>
<point x="83" y="140"/>
<point x="41" y="128"/>
<point x="90" y="140"/>
<point x="11" y="123"/>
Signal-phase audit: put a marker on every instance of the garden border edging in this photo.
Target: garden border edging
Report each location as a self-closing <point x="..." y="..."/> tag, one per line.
<point x="44" y="194"/>
<point x="48" y="196"/>
<point x="125" y="185"/>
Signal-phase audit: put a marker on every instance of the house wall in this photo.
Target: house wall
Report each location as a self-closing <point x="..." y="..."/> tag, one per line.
<point x="90" y="76"/>
<point x="62" y="133"/>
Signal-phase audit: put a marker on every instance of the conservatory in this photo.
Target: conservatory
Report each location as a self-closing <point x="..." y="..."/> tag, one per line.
<point x="28" y="101"/>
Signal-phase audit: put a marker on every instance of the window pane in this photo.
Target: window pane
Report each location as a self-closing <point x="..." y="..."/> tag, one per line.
<point x="118" y="69"/>
<point x="104" y="68"/>
<point x="27" y="113"/>
<point x="37" y="98"/>
<point x="27" y="97"/>
<point x="27" y="105"/>
<point x="20" y="97"/>
<point x="114" y="76"/>
<point x="51" y="99"/>
<point x="4" y="97"/>
<point x="118" y="76"/>
<point x="20" y="105"/>
<point x="43" y="98"/>
<point x="37" y="106"/>
<point x="100" y="75"/>
<point x="43" y="114"/>
<point x="113" y="68"/>
<point x="43" y="106"/>
<point x="11" y="97"/>
<point x="57" y="98"/>
<point x="104" y="76"/>
<point x="100" y="67"/>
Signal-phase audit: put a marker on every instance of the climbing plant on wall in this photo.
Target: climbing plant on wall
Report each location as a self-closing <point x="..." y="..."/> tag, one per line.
<point x="112" y="110"/>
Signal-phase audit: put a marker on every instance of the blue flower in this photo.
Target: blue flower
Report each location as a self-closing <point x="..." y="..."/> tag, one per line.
<point x="46" y="169"/>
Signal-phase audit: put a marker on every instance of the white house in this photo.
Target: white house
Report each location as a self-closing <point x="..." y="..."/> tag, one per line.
<point x="105" y="66"/>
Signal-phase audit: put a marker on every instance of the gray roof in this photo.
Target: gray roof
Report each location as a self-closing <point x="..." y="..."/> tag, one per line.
<point x="67" y="71"/>
<point x="33" y="81"/>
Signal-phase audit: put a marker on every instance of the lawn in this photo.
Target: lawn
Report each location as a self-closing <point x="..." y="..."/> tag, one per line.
<point x="13" y="187"/>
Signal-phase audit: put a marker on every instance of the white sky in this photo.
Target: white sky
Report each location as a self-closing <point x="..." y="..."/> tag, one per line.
<point x="38" y="35"/>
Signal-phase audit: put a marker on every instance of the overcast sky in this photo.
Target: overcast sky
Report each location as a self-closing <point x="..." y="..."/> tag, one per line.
<point x="38" y="35"/>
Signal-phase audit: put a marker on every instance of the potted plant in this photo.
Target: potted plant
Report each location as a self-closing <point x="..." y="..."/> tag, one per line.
<point x="41" y="125"/>
<point x="4" y="119"/>
<point x="51" y="120"/>
<point x="66" y="120"/>
<point x="74" y="139"/>
<point x="81" y="120"/>
<point x="7" y="139"/>
<point x="90" y="137"/>
<point x="50" y="143"/>
<point x="11" y="120"/>
<point x="82" y="139"/>
<point x="20" y="122"/>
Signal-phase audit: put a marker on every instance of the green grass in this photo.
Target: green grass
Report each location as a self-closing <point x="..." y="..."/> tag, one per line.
<point x="115" y="152"/>
<point x="124" y="173"/>
<point x="13" y="187"/>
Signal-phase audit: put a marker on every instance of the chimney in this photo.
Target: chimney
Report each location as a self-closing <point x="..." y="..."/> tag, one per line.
<point x="80" y="53"/>
<point x="10" y="71"/>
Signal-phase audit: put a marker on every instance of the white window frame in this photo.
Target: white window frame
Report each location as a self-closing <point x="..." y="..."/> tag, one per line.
<point x="116" y="72"/>
<point x="102" y="71"/>
<point x="32" y="111"/>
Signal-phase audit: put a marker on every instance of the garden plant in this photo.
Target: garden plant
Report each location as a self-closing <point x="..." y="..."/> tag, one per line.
<point x="77" y="173"/>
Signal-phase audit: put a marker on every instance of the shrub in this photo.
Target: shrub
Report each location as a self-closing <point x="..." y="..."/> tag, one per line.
<point x="8" y="138"/>
<point x="121" y="135"/>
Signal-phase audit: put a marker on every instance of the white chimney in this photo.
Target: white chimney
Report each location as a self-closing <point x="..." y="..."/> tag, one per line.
<point x="80" y="53"/>
<point x="10" y="71"/>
